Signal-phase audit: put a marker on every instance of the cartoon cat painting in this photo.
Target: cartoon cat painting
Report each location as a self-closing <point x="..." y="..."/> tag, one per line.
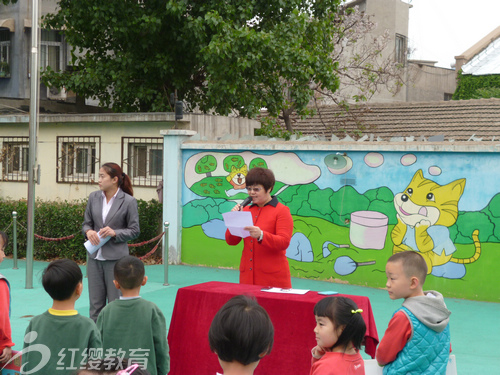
<point x="237" y="177"/>
<point x="425" y="211"/>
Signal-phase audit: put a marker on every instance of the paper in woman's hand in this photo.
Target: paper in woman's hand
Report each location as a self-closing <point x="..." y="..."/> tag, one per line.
<point x="235" y="221"/>
<point x="93" y="248"/>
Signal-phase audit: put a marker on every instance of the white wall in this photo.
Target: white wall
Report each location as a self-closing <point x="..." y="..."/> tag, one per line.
<point x="111" y="128"/>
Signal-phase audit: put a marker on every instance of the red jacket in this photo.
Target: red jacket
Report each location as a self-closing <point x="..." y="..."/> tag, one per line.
<point x="5" y="331"/>
<point x="265" y="263"/>
<point x="338" y="363"/>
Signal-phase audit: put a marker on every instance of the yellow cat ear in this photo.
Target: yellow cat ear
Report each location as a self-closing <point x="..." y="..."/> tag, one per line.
<point x="417" y="177"/>
<point x="231" y="174"/>
<point x="457" y="187"/>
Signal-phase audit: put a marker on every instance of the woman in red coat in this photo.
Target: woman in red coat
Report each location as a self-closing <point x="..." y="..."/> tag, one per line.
<point x="263" y="261"/>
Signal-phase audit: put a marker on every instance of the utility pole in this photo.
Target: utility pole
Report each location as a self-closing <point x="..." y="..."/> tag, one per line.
<point x="33" y="142"/>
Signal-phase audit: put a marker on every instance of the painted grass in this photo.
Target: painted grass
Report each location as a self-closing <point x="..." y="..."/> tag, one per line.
<point x="478" y="283"/>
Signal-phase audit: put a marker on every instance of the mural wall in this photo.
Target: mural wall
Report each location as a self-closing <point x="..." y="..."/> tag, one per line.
<point x="353" y="210"/>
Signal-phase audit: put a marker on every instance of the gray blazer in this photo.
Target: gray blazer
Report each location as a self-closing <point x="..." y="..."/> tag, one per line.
<point x="123" y="218"/>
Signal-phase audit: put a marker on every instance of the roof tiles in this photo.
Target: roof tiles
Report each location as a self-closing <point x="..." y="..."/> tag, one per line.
<point x="456" y="120"/>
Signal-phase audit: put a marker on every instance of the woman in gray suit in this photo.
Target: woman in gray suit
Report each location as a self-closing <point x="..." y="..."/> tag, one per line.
<point x="111" y="212"/>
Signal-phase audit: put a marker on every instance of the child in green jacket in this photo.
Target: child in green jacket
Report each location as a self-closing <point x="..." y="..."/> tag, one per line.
<point x="133" y="326"/>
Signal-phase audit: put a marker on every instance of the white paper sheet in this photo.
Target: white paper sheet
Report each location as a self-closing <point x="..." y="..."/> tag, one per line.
<point x="93" y="248"/>
<point x="235" y="221"/>
<point x="285" y="291"/>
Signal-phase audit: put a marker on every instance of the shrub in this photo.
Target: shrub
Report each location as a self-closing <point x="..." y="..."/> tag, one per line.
<point x="475" y="87"/>
<point x="61" y="219"/>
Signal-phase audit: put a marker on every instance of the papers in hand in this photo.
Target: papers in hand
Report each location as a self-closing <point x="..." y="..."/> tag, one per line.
<point x="285" y="291"/>
<point x="93" y="248"/>
<point x="235" y="221"/>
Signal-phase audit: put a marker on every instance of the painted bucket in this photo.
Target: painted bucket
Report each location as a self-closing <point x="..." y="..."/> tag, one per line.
<point x="368" y="229"/>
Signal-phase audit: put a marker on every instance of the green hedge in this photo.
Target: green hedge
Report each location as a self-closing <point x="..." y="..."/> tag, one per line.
<point x="476" y="87"/>
<point x="61" y="219"/>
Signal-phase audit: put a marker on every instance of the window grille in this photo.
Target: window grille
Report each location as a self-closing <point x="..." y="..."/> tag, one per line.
<point x="142" y="160"/>
<point x="14" y="158"/>
<point x="78" y="159"/>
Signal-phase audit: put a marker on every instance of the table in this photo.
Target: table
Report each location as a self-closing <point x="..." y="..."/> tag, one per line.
<point x="292" y="317"/>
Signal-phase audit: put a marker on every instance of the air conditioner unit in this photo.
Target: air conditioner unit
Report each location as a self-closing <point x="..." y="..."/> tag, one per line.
<point x="56" y="93"/>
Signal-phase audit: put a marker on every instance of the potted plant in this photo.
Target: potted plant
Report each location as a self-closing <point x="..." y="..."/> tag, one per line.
<point x="4" y="69"/>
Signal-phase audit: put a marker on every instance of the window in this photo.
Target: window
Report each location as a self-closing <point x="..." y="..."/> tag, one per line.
<point x="15" y="158"/>
<point x="448" y="96"/>
<point x="400" y="53"/>
<point x="51" y="51"/>
<point x="142" y="160"/>
<point x="4" y="53"/>
<point x="78" y="159"/>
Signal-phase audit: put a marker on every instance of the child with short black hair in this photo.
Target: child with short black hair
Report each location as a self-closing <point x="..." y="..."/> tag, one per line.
<point x="133" y="325"/>
<point x="241" y="334"/>
<point x="417" y="339"/>
<point x="340" y="330"/>
<point x="6" y="343"/>
<point x="73" y="339"/>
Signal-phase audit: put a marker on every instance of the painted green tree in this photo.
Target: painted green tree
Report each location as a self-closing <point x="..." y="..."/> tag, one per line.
<point x="258" y="162"/>
<point x="206" y="165"/>
<point x="231" y="161"/>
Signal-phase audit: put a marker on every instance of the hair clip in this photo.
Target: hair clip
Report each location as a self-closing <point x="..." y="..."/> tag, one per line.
<point x="128" y="370"/>
<point x="356" y="311"/>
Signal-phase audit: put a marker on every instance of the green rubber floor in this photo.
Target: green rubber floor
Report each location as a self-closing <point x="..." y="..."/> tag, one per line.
<point x="475" y="326"/>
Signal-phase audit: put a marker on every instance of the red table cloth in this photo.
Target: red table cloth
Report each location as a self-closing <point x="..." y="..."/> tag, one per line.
<point x="292" y="316"/>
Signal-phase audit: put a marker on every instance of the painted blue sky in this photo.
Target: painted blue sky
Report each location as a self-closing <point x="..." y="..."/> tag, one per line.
<point x="396" y="177"/>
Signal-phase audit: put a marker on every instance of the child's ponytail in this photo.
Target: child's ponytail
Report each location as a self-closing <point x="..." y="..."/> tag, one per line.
<point x="354" y="330"/>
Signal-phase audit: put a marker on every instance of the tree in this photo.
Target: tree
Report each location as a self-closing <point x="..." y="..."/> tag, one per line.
<point x="364" y="65"/>
<point x="487" y="93"/>
<point x="206" y="165"/>
<point x="232" y="162"/>
<point x="7" y="2"/>
<point x="258" y="162"/>
<point x="221" y="56"/>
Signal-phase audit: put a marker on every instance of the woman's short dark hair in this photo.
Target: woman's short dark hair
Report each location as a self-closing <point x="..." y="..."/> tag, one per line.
<point x="260" y="176"/>
<point x="241" y="331"/>
<point x="129" y="272"/>
<point x="340" y="312"/>
<point x="61" y="278"/>
<point x="124" y="182"/>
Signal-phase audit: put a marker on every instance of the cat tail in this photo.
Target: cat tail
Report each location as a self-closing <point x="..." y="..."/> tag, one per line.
<point x="476" y="255"/>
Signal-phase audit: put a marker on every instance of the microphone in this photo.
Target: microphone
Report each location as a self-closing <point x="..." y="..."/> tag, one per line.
<point x="246" y="202"/>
